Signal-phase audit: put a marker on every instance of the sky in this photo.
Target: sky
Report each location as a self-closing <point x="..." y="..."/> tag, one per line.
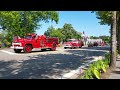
<point x="80" y="20"/>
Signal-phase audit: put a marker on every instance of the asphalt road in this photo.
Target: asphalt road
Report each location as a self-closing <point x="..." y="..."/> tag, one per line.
<point x="45" y="64"/>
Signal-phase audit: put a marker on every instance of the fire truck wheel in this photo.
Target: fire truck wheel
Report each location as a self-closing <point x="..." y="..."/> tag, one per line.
<point x="43" y="49"/>
<point x="28" y="49"/>
<point x="65" y="47"/>
<point x="72" y="47"/>
<point x="53" y="47"/>
<point x="17" y="50"/>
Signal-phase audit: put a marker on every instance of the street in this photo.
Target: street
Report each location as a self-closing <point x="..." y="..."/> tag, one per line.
<point x="45" y="64"/>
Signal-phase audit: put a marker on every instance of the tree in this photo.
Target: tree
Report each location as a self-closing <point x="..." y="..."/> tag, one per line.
<point x="52" y="32"/>
<point x="57" y="33"/>
<point x="94" y="37"/>
<point x="113" y="38"/>
<point x="105" y="38"/>
<point x="4" y="41"/>
<point x="109" y="18"/>
<point x="49" y="31"/>
<point x="69" y="32"/>
<point x="118" y="31"/>
<point x="22" y="22"/>
<point x="105" y="18"/>
<point x="65" y="33"/>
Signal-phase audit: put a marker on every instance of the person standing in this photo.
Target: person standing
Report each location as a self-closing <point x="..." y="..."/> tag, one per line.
<point x="84" y="37"/>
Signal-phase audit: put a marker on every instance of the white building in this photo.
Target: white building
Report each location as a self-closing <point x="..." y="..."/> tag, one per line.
<point x="94" y="40"/>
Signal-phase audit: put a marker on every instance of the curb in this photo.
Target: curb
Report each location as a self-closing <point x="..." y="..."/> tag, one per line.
<point x="74" y="74"/>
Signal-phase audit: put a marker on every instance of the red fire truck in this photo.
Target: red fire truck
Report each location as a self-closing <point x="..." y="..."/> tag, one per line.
<point x="31" y="41"/>
<point x="73" y="43"/>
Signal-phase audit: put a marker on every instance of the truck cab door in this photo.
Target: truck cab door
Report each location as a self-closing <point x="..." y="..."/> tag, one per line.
<point x="43" y="42"/>
<point x="35" y="42"/>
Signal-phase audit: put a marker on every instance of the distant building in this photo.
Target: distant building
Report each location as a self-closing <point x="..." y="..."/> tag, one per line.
<point x="99" y="41"/>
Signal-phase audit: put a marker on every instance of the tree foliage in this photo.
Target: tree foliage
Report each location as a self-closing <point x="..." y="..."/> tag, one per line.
<point x="22" y="22"/>
<point x="94" y="37"/>
<point x="69" y="32"/>
<point x="105" y="38"/>
<point x="52" y="32"/>
<point x="104" y="16"/>
<point x="111" y="18"/>
<point x="4" y="39"/>
<point x="64" y="33"/>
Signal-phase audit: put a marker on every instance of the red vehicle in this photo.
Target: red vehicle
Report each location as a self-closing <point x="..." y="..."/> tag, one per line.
<point x="73" y="43"/>
<point x="102" y="44"/>
<point x="31" y="41"/>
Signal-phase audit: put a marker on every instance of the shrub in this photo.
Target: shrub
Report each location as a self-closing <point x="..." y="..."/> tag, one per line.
<point x="6" y="43"/>
<point x="96" y="68"/>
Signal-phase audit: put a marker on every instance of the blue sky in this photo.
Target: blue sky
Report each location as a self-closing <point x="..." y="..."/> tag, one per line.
<point x="80" y="20"/>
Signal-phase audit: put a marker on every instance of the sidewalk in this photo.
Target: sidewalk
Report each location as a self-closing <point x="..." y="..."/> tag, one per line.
<point x="116" y="73"/>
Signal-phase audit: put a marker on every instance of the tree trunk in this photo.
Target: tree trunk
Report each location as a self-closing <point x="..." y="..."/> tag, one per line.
<point x="118" y="34"/>
<point x="118" y="41"/>
<point x="113" y="41"/>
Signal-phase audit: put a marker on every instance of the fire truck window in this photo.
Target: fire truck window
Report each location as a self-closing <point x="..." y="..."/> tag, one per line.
<point x="28" y="37"/>
<point x="49" y="40"/>
<point x="34" y="37"/>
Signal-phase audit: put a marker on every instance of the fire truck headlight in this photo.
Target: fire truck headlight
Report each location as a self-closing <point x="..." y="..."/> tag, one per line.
<point x="20" y="44"/>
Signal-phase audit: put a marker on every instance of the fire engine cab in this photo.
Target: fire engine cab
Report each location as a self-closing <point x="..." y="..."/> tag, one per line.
<point x="73" y="43"/>
<point x="31" y="41"/>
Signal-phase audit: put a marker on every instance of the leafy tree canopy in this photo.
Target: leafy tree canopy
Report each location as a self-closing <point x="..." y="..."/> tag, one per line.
<point x="22" y="22"/>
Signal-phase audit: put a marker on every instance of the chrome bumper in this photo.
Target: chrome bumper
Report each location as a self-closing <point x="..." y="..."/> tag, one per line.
<point x="16" y="47"/>
<point x="67" y="46"/>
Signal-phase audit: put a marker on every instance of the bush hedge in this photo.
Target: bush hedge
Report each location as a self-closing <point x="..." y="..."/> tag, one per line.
<point x="97" y="68"/>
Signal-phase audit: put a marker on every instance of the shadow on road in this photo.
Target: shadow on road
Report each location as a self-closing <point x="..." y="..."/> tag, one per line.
<point x="36" y="51"/>
<point x="87" y="53"/>
<point x="46" y="66"/>
<point x="40" y="66"/>
<point x="98" y="48"/>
